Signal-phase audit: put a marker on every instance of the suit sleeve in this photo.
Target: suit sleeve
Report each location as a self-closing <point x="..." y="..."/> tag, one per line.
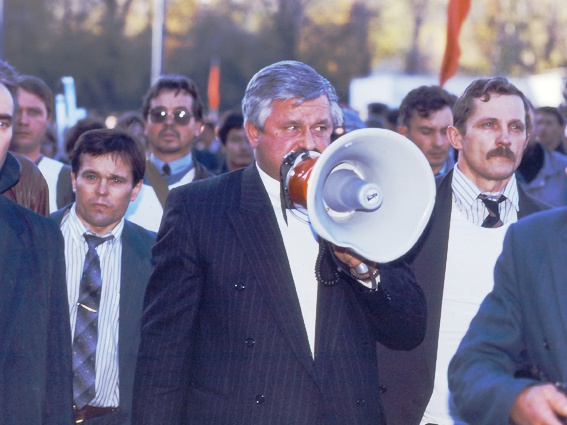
<point x="481" y="374"/>
<point x="397" y="309"/>
<point x="170" y="306"/>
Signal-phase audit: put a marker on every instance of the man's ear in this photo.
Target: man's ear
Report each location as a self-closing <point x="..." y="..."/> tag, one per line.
<point x="252" y="133"/>
<point x="136" y="190"/>
<point x="403" y="130"/>
<point x="528" y="137"/>
<point x="74" y="182"/>
<point x="455" y="137"/>
<point x="197" y="128"/>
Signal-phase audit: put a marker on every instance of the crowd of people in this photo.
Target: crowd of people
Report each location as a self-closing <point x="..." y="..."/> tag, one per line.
<point x="152" y="276"/>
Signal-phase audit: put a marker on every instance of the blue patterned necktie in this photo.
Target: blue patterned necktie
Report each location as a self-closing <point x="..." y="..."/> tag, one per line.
<point x="493" y="219"/>
<point x="86" y="333"/>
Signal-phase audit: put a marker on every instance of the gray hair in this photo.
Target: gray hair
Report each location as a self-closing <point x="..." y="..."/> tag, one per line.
<point x="283" y="81"/>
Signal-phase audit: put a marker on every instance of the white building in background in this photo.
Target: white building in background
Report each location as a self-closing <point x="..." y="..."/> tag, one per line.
<point x="389" y="88"/>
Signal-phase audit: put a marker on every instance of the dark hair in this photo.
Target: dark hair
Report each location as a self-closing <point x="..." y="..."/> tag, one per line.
<point x="129" y="118"/>
<point x="37" y="86"/>
<point x="230" y="120"/>
<point x="550" y="110"/>
<point x="100" y="142"/>
<point x="177" y="83"/>
<point x="81" y="126"/>
<point x="423" y="100"/>
<point x="482" y="89"/>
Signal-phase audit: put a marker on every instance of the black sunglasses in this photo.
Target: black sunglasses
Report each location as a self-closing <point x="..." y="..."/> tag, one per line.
<point x="180" y="116"/>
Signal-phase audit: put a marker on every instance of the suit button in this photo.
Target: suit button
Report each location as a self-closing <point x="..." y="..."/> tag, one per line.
<point x="260" y="399"/>
<point x="365" y="345"/>
<point x="546" y="344"/>
<point x="239" y="286"/>
<point x="250" y="342"/>
<point x="361" y="402"/>
<point x="382" y="389"/>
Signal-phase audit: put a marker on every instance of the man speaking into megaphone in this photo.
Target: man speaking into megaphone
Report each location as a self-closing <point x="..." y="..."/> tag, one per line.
<point x="250" y="317"/>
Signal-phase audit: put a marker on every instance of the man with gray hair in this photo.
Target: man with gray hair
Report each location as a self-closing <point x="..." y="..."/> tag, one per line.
<point x="249" y="319"/>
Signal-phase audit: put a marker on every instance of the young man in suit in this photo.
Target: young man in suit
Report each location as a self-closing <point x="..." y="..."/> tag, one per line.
<point x="108" y="266"/>
<point x="454" y="259"/>
<point x="35" y="356"/>
<point x="249" y="319"/>
<point x="173" y="113"/>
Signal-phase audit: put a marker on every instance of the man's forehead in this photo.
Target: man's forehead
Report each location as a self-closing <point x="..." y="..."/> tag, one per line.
<point x="178" y="97"/>
<point x="514" y="107"/>
<point x="6" y="101"/>
<point x="108" y="161"/>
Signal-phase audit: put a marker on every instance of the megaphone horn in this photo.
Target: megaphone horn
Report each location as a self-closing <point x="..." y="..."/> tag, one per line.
<point x="372" y="190"/>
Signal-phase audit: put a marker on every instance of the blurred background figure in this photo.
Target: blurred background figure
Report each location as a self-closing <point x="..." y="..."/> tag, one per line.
<point x="132" y="122"/>
<point x="424" y="116"/>
<point x="549" y="128"/>
<point x="49" y="146"/>
<point x="207" y="148"/>
<point x="542" y="170"/>
<point x="234" y="144"/>
<point x="377" y="115"/>
<point x="80" y="127"/>
<point x="351" y="121"/>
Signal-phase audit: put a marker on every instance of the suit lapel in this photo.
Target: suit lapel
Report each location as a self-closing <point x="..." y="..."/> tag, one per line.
<point x="132" y="288"/>
<point x="258" y="231"/>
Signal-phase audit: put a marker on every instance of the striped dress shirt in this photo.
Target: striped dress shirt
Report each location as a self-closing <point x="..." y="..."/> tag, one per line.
<point x="465" y="197"/>
<point x="110" y="254"/>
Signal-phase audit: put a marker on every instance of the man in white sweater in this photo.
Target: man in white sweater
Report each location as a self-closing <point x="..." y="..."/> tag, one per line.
<point x="454" y="259"/>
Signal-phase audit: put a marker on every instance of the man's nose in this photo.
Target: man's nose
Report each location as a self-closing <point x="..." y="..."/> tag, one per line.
<point x="21" y="117"/>
<point x="102" y="188"/>
<point x="503" y="138"/>
<point x="307" y="141"/>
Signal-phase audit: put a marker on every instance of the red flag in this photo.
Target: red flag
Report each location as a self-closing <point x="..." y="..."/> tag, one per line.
<point x="456" y="14"/>
<point x="213" y="89"/>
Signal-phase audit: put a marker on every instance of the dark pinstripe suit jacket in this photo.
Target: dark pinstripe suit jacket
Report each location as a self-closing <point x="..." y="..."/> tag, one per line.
<point x="406" y="379"/>
<point x="223" y="339"/>
<point x="137" y="266"/>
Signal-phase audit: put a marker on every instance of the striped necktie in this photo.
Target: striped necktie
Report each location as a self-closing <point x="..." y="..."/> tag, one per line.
<point x="86" y="333"/>
<point x="493" y="219"/>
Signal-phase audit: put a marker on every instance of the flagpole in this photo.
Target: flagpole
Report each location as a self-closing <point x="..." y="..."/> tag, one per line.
<point x="157" y="39"/>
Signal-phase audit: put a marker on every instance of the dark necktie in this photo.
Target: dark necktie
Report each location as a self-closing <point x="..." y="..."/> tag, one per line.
<point x="493" y="218"/>
<point x="166" y="170"/>
<point x="86" y="333"/>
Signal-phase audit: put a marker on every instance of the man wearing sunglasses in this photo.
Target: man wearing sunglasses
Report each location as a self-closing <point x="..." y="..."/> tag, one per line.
<point x="173" y="114"/>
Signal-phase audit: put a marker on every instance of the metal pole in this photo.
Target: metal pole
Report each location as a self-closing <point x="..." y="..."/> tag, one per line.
<point x="1" y="29"/>
<point x="157" y="38"/>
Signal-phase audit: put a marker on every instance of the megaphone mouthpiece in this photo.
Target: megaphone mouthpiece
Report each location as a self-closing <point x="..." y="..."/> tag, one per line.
<point x="344" y="191"/>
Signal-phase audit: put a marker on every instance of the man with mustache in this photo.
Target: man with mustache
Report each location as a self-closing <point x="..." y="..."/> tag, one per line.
<point x="173" y="114"/>
<point x="425" y="114"/>
<point x="455" y="257"/>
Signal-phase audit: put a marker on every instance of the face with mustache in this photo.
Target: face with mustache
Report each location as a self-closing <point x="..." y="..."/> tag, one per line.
<point x="168" y="140"/>
<point x="492" y="148"/>
<point x="103" y="189"/>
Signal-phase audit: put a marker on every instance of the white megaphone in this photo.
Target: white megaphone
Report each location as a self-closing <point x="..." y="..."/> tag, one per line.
<point x="372" y="191"/>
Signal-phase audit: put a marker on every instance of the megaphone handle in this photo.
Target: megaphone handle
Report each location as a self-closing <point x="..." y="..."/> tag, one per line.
<point x="361" y="270"/>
